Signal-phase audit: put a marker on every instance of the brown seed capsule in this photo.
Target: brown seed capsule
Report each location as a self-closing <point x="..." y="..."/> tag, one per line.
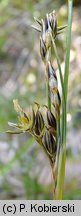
<point x="47" y="23"/>
<point x="53" y="23"/>
<point x="51" y="119"/>
<point x="49" y="142"/>
<point x="33" y="117"/>
<point x="52" y="77"/>
<point x="39" y="123"/>
<point x="43" y="49"/>
<point x="57" y="103"/>
<point x="57" y="99"/>
<point x="51" y="71"/>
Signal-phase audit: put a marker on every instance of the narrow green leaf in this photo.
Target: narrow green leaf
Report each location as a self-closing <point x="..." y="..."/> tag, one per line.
<point x="68" y="42"/>
<point x="62" y="158"/>
<point x="37" y="20"/>
<point x="13" y="132"/>
<point x="61" y="27"/>
<point x="36" y="28"/>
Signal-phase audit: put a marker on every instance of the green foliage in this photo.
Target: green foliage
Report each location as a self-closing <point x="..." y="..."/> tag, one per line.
<point x="4" y="170"/>
<point x="62" y="160"/>
<point x="33" y="189"/>
<point x="5" y="112"/>
<point x="74" y="194"/>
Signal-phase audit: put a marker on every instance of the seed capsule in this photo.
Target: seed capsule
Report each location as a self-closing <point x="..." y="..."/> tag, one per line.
<point x="49" y="142"/>
<point x="43" y="49"/>
<point x="47" y="23"/>
<point x="39" y="123"/>
<point x="57" y="103"/>
<point x="46" y="34"/>
<point x="51" y="71"/>
<point x="57" y="99"/>
<point x="52" y="78"/>
<point x="32" y="118"/>
<point x="53" y="23"/>
<point x="51" y="119"/>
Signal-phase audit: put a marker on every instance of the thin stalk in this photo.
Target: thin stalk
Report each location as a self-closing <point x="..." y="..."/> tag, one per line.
<point x="62" y="159"/>
<point x="61" y="175"/>
<point x="62" y="85"/>
<point x="67" y="59"/>
<point x="59" y="130"/>
<point x="68" y="42"/>
<point x="59" y="66"/>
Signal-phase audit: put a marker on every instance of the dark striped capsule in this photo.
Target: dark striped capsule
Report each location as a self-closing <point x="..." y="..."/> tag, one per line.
<point x="51" y="119"/>
<point x="43" y="49"/>
<point x="53" y="23"/>
<point x="52" y="78"/>
<point x="49" y="142"/>
<point x="51" y="71"/>
<point x="39" y="123"/>
<point x="47" y="22"/>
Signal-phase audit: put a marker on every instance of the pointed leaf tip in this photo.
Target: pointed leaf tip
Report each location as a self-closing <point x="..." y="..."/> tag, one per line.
<point x="17" y="106"/>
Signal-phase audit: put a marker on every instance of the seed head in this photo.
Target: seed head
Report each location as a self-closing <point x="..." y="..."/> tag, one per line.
<point x="43" y="49"/>
<point x="51" y="23"/>
<point x="39" y="123"/>
<point x="46" y="35"/>
<point x="51" y="119"/>
<point x="52" y="78"/>
<point x="47" y="23"/>
<point x="49" y="142"/>
<point x="57" y="103"/>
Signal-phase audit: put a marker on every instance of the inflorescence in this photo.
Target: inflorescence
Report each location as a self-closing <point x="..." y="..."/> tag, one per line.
<point x="43" y="128"/>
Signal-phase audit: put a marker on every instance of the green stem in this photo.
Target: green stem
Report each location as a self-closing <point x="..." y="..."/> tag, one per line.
<point x="62" y="85"/>
<point x="62" y="159"/>
<point x="59" y="65"/>
<point x="61" y="175"/>
<point x="68" y="42"/>
<point x="67" y="59"/>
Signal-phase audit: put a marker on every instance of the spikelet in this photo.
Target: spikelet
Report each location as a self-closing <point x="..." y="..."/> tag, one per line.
<point x="49" y="142"/>
<point x="38" y="124"/>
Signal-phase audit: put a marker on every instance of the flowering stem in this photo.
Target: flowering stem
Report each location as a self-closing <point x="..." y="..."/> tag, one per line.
<point x="58" y="62"/>
<point x="62" y="159"/>
<point x="62" y="85"/>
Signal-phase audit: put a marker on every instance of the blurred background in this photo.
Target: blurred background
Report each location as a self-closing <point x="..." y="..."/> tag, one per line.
<point x="24" y="169"/>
